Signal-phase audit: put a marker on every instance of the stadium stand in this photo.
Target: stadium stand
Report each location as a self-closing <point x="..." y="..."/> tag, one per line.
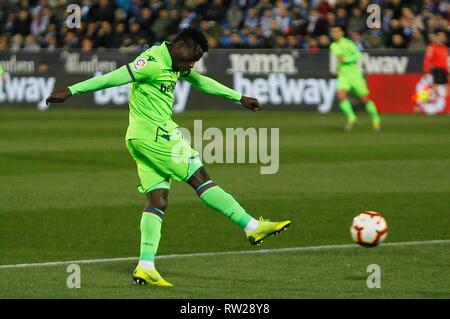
<point x="34" y="25"/>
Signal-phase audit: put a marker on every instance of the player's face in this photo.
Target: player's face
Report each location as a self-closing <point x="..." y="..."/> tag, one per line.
<point x="336" y="33"/>
<point x="441" y="37"/>
<point x="185" y="57"/>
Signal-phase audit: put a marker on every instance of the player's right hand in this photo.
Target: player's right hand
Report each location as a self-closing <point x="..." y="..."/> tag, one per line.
<point x="250" y="103"/>
<point x="58" y="96"/>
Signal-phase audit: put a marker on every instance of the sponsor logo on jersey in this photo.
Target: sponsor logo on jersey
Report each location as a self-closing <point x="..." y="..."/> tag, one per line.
<point x="167" y="88"/>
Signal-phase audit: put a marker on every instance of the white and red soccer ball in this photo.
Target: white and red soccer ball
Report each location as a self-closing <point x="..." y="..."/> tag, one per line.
<point x="369" y="229"/>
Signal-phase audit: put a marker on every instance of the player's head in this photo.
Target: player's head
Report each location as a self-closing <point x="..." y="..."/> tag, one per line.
<point x="187" y="48"/>
<point x="337" y="32"/>
<point x="441" y="37"/>
<point x="432" y="37"/>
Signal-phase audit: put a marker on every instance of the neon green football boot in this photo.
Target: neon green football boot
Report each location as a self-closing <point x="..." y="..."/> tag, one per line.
<point x="265" y="229"/>
<point x="376" y="125"/>
<point x="152" y="277"/>
<point x="351" y="124"/>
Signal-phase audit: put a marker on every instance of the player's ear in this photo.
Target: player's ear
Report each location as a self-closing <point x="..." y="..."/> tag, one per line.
<point x="180" y="45"/>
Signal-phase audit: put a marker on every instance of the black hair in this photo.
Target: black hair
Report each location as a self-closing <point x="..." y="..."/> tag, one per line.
<point x="338" y="26"/>
<point x="192" y="37"/>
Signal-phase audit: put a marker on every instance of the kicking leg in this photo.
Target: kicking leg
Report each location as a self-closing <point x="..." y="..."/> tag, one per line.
<point x="219" y="200"/>
<point x="151" y="223"/>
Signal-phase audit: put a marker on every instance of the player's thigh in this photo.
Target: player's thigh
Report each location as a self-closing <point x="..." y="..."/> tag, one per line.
<point x="440" y="76"/>
<point x="170" y="155"/>
<point x="359" y="87"/>
<point x="343" y="84"/>
<point x="150" y="176"/>
<point x="184" y="166"/>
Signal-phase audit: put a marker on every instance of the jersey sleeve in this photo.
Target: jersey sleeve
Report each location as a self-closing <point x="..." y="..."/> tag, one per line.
<point x="115" y="78"/>
<point x="353" y="54"/>
<point x="334" y="48"/>
<point x="427" y="59"/>
<point x="144" y="69"/>
<point x="207" y="85"/>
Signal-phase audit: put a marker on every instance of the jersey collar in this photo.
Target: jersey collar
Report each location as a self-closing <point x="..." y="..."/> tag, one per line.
<point x="165" y="54"/>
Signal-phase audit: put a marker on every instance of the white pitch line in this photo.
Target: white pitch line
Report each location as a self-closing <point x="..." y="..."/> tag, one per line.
<point x="223" y="253"/>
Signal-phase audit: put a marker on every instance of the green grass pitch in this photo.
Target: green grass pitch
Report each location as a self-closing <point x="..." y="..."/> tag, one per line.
<point x="68" y="192"/>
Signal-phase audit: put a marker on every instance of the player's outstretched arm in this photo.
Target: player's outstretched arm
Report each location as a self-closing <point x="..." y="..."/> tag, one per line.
<point x="207" y="85"/>
<point x="115" y="78"/>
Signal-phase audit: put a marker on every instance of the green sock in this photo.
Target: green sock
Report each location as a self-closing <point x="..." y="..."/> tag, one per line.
<point x="372" y="110"/>
<point x="346" y="107"/>
<point x="219" y="200"/>
<point x="151" y="222"/>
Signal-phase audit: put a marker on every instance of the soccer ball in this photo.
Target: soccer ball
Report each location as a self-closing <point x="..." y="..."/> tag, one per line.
<point x="423" y="95"/>
<point x="369" y="229"/>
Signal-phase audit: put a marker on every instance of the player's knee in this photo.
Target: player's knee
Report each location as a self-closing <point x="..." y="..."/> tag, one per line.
<point x="365" y="99"/>
<point x="341" y="95"/>
<point x="158" y="199"/>
<point x="198" y="178"/>
<point x="159" y="202"/>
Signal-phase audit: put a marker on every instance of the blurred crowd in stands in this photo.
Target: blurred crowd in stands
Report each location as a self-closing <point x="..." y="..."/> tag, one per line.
<point x="35" y="25"/>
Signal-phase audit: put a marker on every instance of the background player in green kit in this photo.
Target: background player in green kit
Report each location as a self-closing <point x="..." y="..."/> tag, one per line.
<point x="351" y="78"/>
<point x="2" y="73"/>
<point x="158" y="147"/>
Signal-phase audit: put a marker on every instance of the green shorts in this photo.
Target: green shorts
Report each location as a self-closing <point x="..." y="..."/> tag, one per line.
<point x="165" y="157"/>
<point x="353" y="82"/>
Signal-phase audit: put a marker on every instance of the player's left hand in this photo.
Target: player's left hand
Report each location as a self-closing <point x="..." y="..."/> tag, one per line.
<point x="250" y="103"/>
<point x="58" y="96"/>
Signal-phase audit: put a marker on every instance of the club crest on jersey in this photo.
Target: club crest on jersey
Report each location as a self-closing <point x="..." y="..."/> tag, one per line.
<point x="139" y="64"/>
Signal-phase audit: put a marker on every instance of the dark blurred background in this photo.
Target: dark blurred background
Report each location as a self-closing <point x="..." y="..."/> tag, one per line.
<point x="34" y="25"/>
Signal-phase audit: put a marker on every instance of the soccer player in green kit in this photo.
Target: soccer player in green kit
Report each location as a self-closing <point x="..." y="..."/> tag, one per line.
<point x="158" y="147"/>
<point x="351" y="78"/>
<point x="2" y="73"/>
